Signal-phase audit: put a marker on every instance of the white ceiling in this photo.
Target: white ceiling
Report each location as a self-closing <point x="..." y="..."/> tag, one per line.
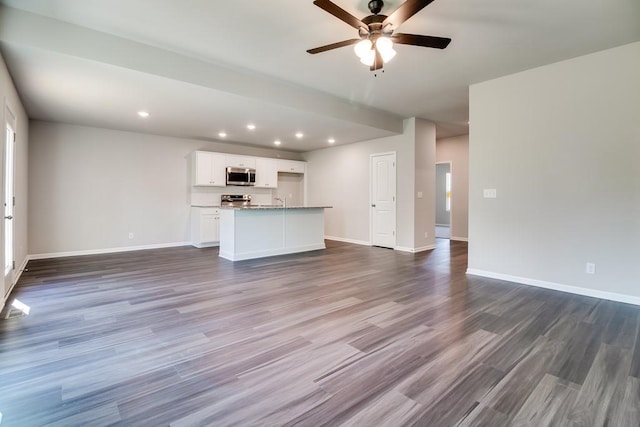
<point x="203" y="66"/>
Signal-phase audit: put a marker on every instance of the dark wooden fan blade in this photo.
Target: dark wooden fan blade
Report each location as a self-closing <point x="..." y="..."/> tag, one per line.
<point x="378" y="62"/>
<point x="340" y="13"/>
<point x="418" y="40"/>
<point x="333" y="46"/>
<point x="404" y="12"/>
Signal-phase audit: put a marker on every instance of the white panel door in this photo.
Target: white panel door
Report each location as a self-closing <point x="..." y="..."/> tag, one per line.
<point x="383" y="200"/>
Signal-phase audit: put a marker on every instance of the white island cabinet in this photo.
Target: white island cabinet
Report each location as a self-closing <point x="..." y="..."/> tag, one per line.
<point x="256" y="232"/>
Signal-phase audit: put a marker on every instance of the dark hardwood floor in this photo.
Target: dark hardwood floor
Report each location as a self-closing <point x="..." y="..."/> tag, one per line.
<point x="347" y="336"/>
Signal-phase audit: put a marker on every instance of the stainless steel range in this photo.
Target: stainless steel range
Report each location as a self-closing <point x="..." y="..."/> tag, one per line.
<point x="235" y="200"/>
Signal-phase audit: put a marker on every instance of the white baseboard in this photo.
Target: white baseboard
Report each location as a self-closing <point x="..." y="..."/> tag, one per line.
<point x="342" y="239"/>
<point x="397" y="248"/>
<point x="414" y="250"/>
<point x="5" y="297"/>
<point x="107" y="250"/>
<point x="594" y="293"/>
<point x="271" y="252"/>
<point x="205" y="245"/>
<point x="459" y="239"/>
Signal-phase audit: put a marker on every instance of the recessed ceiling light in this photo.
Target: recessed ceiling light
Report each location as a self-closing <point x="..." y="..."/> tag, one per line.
<point x="277" y="142"/>
<point x="331" y="141"/>
<point x="222" y="134"/>
<point x="251" y="126"/>
<point x="143" y="114"/>
<point x="299" y="135"/>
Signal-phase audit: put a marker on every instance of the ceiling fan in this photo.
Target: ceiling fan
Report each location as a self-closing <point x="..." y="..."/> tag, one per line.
<point x="376" y="31"/>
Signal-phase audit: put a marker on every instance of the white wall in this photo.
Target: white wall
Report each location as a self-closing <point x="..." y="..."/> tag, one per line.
<point x="90" y="187"/>
<point x="561" y="144"/>
<point x="456" y="151"/>
<point x="425" y="183"/>
<point x="9" y="98"/>
<point x="291" y="187"/>
<point x="339" y="177"/>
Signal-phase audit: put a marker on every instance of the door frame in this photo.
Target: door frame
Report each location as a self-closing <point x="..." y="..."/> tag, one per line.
<point x="9" y="121"/>
<point x="395" y="205"/>
<point x="450" y="163"/>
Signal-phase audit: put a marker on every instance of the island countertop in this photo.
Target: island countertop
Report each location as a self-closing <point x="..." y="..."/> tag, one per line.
<point x="262" y="207"/>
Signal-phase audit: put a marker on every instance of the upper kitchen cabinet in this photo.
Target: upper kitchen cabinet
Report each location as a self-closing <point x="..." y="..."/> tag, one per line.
<point x="208" y="169"/>
<point x="241" y="162"/>
<point x="291" y="166"/>
<point x="266" y="173"/>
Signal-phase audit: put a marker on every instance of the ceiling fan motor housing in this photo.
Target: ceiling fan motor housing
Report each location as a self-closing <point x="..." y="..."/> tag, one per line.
<point x="375" y="6"/>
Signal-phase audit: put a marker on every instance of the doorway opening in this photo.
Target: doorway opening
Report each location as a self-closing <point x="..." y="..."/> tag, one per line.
<point x="443" y="200"/>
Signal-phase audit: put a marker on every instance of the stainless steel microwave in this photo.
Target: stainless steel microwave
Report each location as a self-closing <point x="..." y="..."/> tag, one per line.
<point x="241" y="176"/>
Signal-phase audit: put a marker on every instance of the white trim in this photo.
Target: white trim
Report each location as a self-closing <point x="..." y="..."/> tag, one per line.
<point x="443" y="225"/>
<point x="9" y="117"/>
<point x="460" y="239"/>
<point x="107" y="250"/>
<point x="270" y="252"/>
<point x="15" y="280"/>
<point x="414" y="250"/>
<point x="345" y="240"/>
<point x="205" y="245"/>
<point x="594" y="293"/>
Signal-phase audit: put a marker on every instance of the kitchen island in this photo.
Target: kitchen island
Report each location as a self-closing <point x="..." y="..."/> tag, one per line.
<point x="257" y="231"/>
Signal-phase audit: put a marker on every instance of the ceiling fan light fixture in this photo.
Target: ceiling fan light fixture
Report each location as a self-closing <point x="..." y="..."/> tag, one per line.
<point x="363" y="48"/>
<point x="369" y="58"/>
<point x="385" y="47"/>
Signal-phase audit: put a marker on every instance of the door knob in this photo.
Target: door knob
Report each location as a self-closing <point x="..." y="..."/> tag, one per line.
<point x="8" y="217"/>
<point x="373" y="206"/>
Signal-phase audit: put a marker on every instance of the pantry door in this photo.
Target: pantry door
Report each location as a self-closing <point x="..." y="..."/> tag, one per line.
<point x="383" y="200"/>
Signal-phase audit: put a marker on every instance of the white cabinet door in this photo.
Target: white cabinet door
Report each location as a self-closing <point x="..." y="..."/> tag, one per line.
<point x="266" y="173"/>
<point x="291" y="166"/>
<point x="208" y="169"/>
<point x="209" y="227"/>
<point x="205" y="226"/>
<point x="240" y="162"/>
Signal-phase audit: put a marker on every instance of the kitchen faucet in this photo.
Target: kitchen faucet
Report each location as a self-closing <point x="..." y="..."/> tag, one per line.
<point x="283" y="201"/>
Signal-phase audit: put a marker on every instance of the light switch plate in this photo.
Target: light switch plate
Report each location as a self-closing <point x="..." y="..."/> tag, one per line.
<point x="490" y="193"/>
<point x="419" y="194"/>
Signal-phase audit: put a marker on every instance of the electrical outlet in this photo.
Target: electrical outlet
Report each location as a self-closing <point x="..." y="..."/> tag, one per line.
<point x="130" y="236"/>
<point x="591" y="268"/>
<point x="426" y="234"/>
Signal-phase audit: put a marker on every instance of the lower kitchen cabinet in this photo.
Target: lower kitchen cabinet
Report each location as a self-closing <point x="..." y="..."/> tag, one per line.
<point x="205" y="227"/>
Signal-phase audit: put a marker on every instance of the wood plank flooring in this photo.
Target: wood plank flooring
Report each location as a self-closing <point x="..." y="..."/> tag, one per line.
<point x="352" y="335"/>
